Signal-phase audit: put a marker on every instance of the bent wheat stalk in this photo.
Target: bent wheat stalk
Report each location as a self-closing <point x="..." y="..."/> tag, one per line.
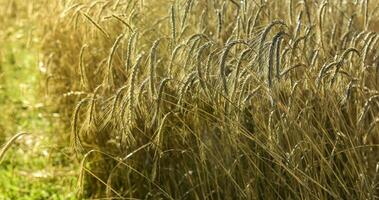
<point x="8" y="144"/>
<point x="263" y="39"/>
<point x="274" y="44"/>
<point x="153" y="63"/>
<point x="102" y="30"/>
<point x="223" y="63"/>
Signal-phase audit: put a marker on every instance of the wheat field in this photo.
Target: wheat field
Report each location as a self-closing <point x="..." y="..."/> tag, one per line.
<point x="214" y="99"/>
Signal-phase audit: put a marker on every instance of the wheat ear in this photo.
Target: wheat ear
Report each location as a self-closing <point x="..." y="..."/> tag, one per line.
<point x="271" y="56"/>
<point x="153" y="58"/>
<point x="186" y="11"/>
<point x="84" y="79"/>
<point x="173" y="23"/>
<point x="132" y="83"/>
<point x="223" y="63"/>
<point x="110" y="58"/>
<point x="199" y="66"/>
<point x="263" y="39"/>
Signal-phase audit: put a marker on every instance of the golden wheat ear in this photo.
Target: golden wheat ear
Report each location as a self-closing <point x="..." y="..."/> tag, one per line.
<point x="6" y="146"/>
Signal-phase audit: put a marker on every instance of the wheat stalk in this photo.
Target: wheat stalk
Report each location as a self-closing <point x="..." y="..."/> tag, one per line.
<point x="173" y="23"/>
<point x="93" y="102"/>
<point x="290" y="11"/>
<point x="123" y="21"/>
<point x="110" y="59"/>
<point x="223" y="63"/>
<point x="273" y="47"/>
<point x="174" y="55"/>
<point x="96" y="25"/>
<point x="342" y="58"/>
<point x="323" y="70"/>
<point x="256" y="17"/>
<point x="153" y="58"/>
<point x="238" y="69"/>
<point x="190" y="52"/>
<point x="142" y="88"/>
<point x="298" y="25"/>
<point x="117" y="98"/>
<point x="186" y="11"/>
<point x="8" y="144"/>
<point x="263" y="39"/>
<point x="132" y="83"/>
<point x="219" y="24"/>
<point x="84" y="79"/>
<point x="183" y="90"/>
<point x="366" y="18"/>
<point x="199" y="65"/>
<point x="76" y="138"/>
<point x="367" y="47"/>
<point x="159" y="98"/>
<point x="307" y="10"/>
<point x="129" y="50"/>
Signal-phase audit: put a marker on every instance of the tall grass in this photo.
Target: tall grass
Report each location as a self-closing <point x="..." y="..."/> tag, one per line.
<point x="218" y="99"/>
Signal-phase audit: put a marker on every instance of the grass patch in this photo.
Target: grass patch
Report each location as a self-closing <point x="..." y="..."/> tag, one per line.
<point x="37" y="166"/>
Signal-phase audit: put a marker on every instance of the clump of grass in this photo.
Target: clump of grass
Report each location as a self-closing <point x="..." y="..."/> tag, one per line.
<point x="219" y="127"/>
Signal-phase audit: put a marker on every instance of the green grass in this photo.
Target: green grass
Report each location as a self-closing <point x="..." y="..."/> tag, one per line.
<point x="36" y="166"/>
